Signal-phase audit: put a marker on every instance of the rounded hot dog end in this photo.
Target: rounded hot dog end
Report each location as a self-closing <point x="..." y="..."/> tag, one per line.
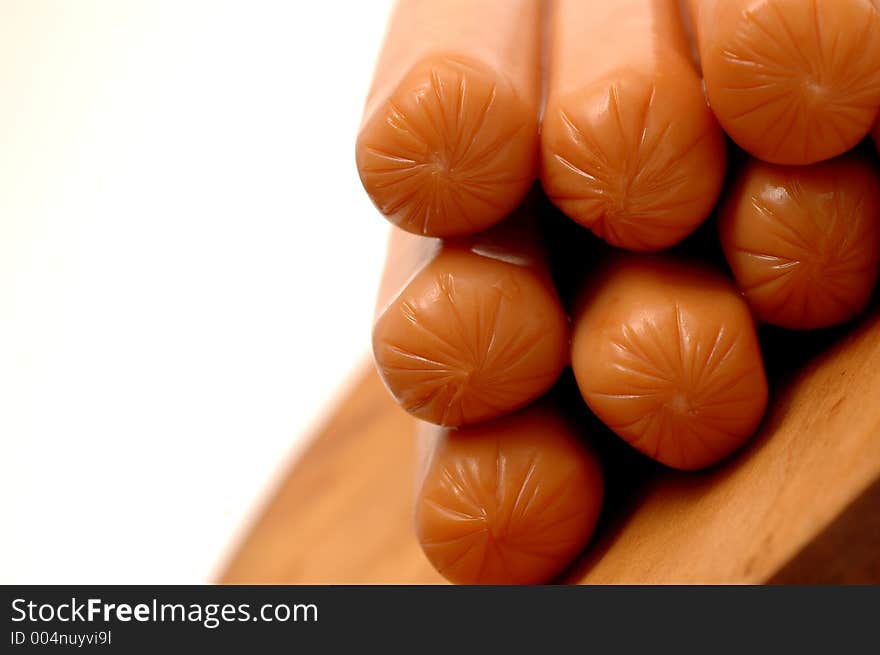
<point x="791" y="81"/>
<point x="469" y="330"/>
<point x="448" y="144"/>
<point x="803" y="242"/>
<point x="512" y="501"/>
<point x="629" y="147"/>
<point x="665" y="353"/>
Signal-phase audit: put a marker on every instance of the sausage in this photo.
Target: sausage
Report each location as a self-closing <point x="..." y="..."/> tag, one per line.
<point x="803" y="242"/>
<point x="469" y="329"/>
<point x="449" y="138"/>
<point x="512" y="501"/>
<point x="791" y="81"/>
<point x="629" y="147"/>
<point x="665" y="354"/>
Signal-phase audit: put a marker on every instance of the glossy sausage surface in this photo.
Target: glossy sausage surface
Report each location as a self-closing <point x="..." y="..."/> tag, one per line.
<point x="791" y="81"/>
<point x="470" y="329"/>
<point x="448" y="143"/>
<point x="512" y="501"/>
<point x="803" y="242"/>
<point x="629" y="147"/>
<point x="666" y="355"/>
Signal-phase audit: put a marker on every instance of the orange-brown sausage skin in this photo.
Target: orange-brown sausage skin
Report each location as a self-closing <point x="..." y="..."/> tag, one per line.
<point x="665" y="353"/>
<point x="448" y="143"/>
<point x="512" y="501"/>
<point x="791" y="81"/>
<point x="629" y="147"/>
<point x="468" y="330"/>
<point x="803" y="242"/>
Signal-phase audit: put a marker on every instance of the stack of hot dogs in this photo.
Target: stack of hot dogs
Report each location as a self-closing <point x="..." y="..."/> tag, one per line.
<point x="642" y="121"/>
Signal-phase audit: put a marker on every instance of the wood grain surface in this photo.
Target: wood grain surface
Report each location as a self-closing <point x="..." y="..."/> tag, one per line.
<point x="344" y="513"/>
<point x="801" y="503"/>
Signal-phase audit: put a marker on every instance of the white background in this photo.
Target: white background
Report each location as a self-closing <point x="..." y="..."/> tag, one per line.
<point x="188" y="266"/>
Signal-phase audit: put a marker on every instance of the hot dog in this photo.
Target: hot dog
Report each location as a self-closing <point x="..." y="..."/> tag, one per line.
<point x="629" y="147"/>
<point x="791" y="81"/>
<point x="512" y="501"/>
<point x="468" y="330"/>
<point x="448" y="142"/>
<point x="803" y="242"/>
<point x="665" y="353"/>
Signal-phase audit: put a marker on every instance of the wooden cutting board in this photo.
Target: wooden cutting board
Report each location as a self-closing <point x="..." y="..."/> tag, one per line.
<point x="800" y="504"/>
